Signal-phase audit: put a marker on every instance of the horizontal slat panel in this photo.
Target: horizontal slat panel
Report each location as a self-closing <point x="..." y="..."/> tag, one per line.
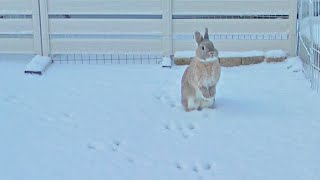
<point x="230" y="6"/>
<point x="104" y="7"/>
<point x="231" y="26"/>
<point x="104" y="45"/>
<point x="16" y="45"/>
<point x="12" y="26"/>
<point x="238" y="45"/>
<point x="15" y="7"/>
<point x="85" y="26"/>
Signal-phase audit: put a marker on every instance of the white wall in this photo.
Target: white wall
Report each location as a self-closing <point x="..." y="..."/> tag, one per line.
<point x="99" y="26"/>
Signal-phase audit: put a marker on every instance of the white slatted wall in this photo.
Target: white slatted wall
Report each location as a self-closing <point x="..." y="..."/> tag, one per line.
<point x="242" y="24"/>
<point x="19" y="27"/>
<point x="145" y="26"/>
<point x="98" y="26"/>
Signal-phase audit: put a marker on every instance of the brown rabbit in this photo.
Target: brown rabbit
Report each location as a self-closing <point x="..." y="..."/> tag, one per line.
<point x="199" y="81"/>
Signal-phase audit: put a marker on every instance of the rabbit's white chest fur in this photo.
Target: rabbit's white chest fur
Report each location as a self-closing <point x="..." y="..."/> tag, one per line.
<point x="209" y="60"/>
<point x="209" y="74"/>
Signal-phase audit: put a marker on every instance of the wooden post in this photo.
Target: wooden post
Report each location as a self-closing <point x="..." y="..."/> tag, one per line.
<point x="44" y="19"/>
<point x="39" y="62"/>
<point x="37" y="43"/>
<point x="293" y="27"/>
<point x="167" y="43"/>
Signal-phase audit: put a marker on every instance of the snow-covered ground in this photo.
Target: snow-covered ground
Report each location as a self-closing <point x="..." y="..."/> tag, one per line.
<point x="125" y="122"/>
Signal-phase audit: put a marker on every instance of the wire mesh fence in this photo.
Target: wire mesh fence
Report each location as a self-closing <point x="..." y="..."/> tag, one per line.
<point x="112" y="58"/>
<point x="309" y="39"/>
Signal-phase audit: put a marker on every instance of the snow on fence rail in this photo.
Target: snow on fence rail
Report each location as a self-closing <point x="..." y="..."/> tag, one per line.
<point x="158" y="28"/>
<point x="309" y="39"/>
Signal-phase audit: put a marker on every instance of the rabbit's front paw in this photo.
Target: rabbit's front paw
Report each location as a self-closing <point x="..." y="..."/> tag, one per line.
<point x="205" y="93"/>
<point x="212" y="91"/>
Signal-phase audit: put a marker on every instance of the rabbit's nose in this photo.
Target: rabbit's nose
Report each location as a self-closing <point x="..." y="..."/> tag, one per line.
<point x="211" y="54"/>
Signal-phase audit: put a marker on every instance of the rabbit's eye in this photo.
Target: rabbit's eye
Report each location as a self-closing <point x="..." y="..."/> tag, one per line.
<point x="203" y="48"/>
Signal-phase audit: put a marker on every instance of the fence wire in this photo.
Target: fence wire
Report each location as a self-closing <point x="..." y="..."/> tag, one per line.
<point x="116" y="58"/>
<point x="309" y="39"/>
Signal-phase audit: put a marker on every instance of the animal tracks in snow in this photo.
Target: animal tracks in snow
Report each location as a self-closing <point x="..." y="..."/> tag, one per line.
<point x="202" y="167"/>
<point x="64" y="117"/>
<point x="202" y="170"/>
<point x="186" y="130"/>
<point x="96" y="146"/>
<point x="169" y="94"/>
<point x="118" y="153"/>
<point x="166" y="99"/>
<point x="13" y="100"/>
<point x="46" y="116"/>
<point x="114" y="147"/>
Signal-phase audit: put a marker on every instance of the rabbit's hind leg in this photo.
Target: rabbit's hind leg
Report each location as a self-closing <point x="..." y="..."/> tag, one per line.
<point x="208" y="103"/>
<point x="192" y="104"/>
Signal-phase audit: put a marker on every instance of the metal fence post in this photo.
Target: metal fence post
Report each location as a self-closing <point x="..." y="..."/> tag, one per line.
<point x="299" y="18"/>
<point x="311" y="44"/>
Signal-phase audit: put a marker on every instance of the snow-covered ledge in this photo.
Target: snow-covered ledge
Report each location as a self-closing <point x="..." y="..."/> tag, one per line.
<point x="230" y="58"/>
<point x="38" y="65"/>
<point x="275" y="56"/>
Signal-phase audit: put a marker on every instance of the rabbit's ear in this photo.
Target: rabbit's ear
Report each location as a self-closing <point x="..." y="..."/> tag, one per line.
<point x="198" y="37"/>
<point x="206" y="34"/>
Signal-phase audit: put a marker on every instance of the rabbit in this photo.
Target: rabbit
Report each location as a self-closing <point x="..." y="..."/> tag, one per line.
<point x="199" y="81"/>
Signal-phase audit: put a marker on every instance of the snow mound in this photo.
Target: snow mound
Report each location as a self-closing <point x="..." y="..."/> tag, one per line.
<point x="275" y="54"/>
<point x="38" y="64"/>
<point x="294" y="64"/>
<point x="166" y="62"/>
<point x="240" y="54"/>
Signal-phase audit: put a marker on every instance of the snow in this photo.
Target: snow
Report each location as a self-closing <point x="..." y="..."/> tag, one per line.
<point x="305" y="28"/>
<point x="295" y="65"/>
<point x="241" y="54"/>
<point x="125" y="122"/>
<point x="275" y="54"/>
<point x="38" y="64"/>
<point x="166" y="62"/>
<point x="255" y="53"/>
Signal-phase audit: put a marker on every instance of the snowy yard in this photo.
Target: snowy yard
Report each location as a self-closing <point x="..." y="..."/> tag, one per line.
<point x="125" y="122"/>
